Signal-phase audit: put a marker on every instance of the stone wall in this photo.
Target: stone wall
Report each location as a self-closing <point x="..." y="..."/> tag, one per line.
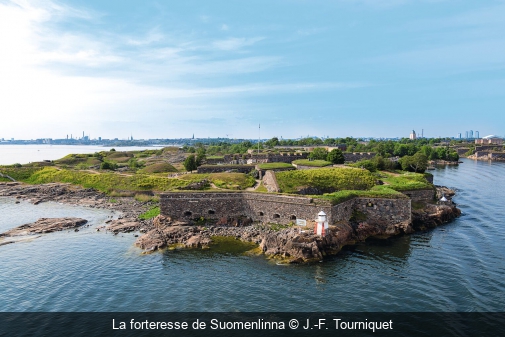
<point x="270" y="182"/>
<point x="384" y="210"/>
<point x="357" y="156"/>
<point x="420" y="195"/>
<point x="281" y="209"/>
<point x="497" y="156"/>
<point x="258" y="206"/>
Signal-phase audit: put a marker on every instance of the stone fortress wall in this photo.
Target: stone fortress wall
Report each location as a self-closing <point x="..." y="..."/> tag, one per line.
<point x="281" y="209"/>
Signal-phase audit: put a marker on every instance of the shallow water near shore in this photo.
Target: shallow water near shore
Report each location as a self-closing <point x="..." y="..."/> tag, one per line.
<point x="455" y="267"/>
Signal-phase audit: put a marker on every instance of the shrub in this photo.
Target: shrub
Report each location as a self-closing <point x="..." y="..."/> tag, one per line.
<point x="335" y="156"/>
<point x="106" y="165"/>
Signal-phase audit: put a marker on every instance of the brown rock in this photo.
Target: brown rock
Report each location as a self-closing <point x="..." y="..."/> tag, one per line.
<point x="46" y="225"/>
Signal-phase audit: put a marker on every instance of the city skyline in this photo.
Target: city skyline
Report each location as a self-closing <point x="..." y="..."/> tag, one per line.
<point x="342" y="68"/>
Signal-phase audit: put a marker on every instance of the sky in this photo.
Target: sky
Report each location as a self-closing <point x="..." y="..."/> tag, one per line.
<point x="221" y="68"/>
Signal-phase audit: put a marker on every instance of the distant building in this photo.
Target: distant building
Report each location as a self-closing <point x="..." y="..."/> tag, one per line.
<point x="413" y="135"/>
<point x="491" y="139"/>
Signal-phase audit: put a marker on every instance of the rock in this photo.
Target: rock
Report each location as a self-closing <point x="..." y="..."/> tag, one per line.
<point x="124" y="225"/>
<point x="46" y="225"/>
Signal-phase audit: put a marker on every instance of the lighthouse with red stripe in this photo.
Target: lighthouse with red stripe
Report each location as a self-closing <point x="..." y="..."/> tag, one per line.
<point x="321" y="227"/>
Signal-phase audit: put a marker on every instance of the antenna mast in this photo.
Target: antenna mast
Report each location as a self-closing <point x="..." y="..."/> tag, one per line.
<point x="259" y="137"/>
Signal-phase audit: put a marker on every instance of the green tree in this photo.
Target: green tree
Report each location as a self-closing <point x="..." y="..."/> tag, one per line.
<point x="318" y="154"/>
<point x="272" y="142"/>
<point x="190" y="163"/>
<point x="416" y="163"/>
<point x="335" y="156"/>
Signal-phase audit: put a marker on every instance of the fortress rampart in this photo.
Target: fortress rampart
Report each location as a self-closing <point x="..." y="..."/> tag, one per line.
<point x="281" y="209"/>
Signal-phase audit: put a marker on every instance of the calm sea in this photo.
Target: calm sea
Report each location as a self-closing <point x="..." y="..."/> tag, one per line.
<point x="24" y="154"/>
<point x="456" y="267"/>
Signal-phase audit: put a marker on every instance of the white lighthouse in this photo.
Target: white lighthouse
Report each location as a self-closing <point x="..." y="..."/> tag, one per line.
<point x="321" y="227"/>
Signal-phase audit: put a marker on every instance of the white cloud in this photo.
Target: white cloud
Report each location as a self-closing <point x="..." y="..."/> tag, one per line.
<point x="234" y="43"/>
<point x="224" y="27"/>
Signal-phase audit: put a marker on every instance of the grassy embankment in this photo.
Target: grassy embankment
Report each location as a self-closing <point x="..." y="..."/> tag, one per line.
<point x="273" y="166"/>
<point x="313" y="163"/>
<point x="110" y="182"/>
<point x="406" y="181"/>
<point x="349" y="183"/>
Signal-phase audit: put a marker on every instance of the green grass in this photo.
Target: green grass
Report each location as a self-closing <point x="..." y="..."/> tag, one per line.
<point x="158" y="168"/>
<point x="313" y="163"/>
<point x="152" y="213"/>
<point x="18" y="173"/>
<point x="234" y="181"/>
<point x="272" y="166"/>
<point x="376" y="192"/>
<point x="106" y="182"/>
<point x="215" y="157"/>
<point x="146" y="198"/>
<point x="326" y="179"/>
<point x="407" y="181"/>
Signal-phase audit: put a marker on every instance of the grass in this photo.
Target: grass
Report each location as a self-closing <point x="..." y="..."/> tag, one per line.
<point x="152" y="213"/>
<point x="18" y="173"/>
<point x="376" y="192"/>
<point x="325" y="179"/>
<point x="407" y="181"/>
<point x="146" y="197"/>
<point x="272" y="166"/>
<point x="106" y="182"/>
<point x="158" y="168"/>
<point x="215" y="157"/>
<point x="313" y="163"/>
<point x="262" y="188"/>
<point x="233" y="181"/>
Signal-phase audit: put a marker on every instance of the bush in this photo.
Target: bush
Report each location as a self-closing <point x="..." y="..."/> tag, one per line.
<point x="318" y="154"/>
<point x="335" y="156"/>
<point x="108" y="166"/>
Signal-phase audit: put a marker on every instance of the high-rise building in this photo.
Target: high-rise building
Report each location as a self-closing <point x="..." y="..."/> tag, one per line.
<point x="413" y="135"/>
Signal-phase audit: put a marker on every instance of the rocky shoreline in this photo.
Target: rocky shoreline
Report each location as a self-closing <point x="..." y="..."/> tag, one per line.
<point x="292" y="244"/>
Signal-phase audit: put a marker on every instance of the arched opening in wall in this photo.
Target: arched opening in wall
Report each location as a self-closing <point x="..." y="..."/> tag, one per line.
<point x="345" y="208"/>
<point x="277" y="216"/>
<point x="211" y="211"/>
<point x="261" y="213"/>
<point x="188" y="213"/>
<point x="293" y="217"/>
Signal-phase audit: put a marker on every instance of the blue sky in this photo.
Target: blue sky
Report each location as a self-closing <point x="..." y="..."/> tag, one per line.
<point x="171" y="69"/>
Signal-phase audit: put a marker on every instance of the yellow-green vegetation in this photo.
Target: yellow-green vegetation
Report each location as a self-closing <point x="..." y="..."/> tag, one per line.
<point x="153" y="212"/>
<point x="325" y="179"/>
<point x="106" y="182"/>
<point x="230" y="245"/>
<point x="146" y="197"/>
<point x="233" y="181"/>
<point x="158" y="168"/>
<point x="20" y="173"/>
<point x="261" y="188"/>
<point x="406" y="181"/>
<point x="313" y="163"/>
<point x="272" y="166"/>
<point x="375" y="192"/>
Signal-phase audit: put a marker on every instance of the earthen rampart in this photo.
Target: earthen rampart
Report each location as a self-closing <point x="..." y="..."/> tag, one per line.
<point x="225" y="168"/>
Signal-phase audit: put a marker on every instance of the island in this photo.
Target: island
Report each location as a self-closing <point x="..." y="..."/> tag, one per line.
<point x="295" y="204"/>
